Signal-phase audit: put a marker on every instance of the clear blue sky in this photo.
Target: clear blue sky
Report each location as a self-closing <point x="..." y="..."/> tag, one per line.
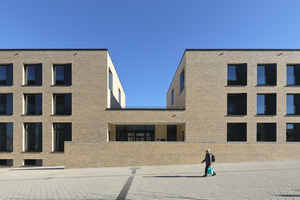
<point x="147" y="38"/>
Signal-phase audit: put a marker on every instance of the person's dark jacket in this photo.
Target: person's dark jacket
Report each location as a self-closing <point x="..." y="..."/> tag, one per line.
<point x="208" y="159"/>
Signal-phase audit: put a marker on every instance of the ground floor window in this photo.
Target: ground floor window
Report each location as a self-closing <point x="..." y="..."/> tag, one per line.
<point x="135" y="133"/>
<point x="293" y="132"/>
<point x="172" y="133"/>
<point x="62" y="133"/>
<point x="33" y="137"/>
<point x="236" y="132"/>
<point x="266" y="132"/>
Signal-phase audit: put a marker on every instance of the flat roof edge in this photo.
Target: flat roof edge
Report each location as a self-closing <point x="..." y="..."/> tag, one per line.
<point x="53" y="49"/>
<point x="242" y="49"/>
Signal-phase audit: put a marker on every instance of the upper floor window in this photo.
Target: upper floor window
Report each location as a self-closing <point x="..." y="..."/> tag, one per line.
<point x="33" y="74"/>
<point x="62" y="104"/>
<point x="110" y="81"/>
<point x="6" y="137"/>
<point x="293" y="104"/>
<point x="237" y="74"/>
<point x="63" y="74"/>
<point x="33" y="104"/>
<point x="6" y="74"/>
<point x="182" y="81"/>
<point x="266" y="74"/>
<point x="33" y="137"/>
<point x="293" y="132"/>
<point x="293" y="75"/>
<point x="237" y="104"/>
<point x="266" y="104"/>
<point x="172" y="97"/>
<point x="119" y="96"/>
<point x="62" y="133"/>
<point x="6" y="104"/>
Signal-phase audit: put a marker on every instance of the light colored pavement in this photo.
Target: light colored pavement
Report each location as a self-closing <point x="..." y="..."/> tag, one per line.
<point x="253" y="180"/>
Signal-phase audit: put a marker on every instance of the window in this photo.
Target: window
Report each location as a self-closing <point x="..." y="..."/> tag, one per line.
<point x="33" y="74"/>
<point x="63" y="74"/>
<point x="33" y="104"/>
<point x="293" y="75"/>
<point x="119" y="96"/>
<point x="266" y="132"/>
<point x="182" y="82"/>
<point x="6" y="74"/>
<point x="266" y="104"/>
<point x="6" y="104"/>
<point x="171" y="133"/>
<point x="6" y="162"/>
<point x="33" y="137"/>
<point x="293" y="104"/>
<point x="237" y="74"/>
<point x="237" y="132"/>
<point x="33" y="162"/>
<point x="293" y="132"/>
<point x="6" y="137"/>
<point x="135" y="133"/>
<point x="62" y="133"/>
<point x="266" y="74"/>
<point x="63" y="104"/>
<point x="172" y="97"/>
<point x="110" y="81"/>
<point x="237" y="104"/>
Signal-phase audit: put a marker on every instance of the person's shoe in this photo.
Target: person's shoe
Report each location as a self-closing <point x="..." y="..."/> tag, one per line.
<point x="214" y="174"/>
<point x="204" y="176"/>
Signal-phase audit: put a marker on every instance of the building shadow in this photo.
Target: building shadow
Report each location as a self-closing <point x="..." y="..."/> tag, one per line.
<point x="174" y="177"/>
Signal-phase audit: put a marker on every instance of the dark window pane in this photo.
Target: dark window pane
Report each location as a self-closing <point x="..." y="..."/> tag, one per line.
<point x="33" y="137"/>
<point x="3" y="104"/>
<point x="182" y="81"/>
<point x="59" y="75"/>
<point x="59" y="104"/>
<point x="3" y="137"/>
<point x="110" y="81"/>
<point x="172" y="97"/>
<point x="30" y="72"/>
<point x="2" y="75"/>
<point x="236" y="132"/>
<point x="266" y="132"/>
<point x="30" y="104"/>
<point x="171" y="133"/>
<point x="231" y="75"/>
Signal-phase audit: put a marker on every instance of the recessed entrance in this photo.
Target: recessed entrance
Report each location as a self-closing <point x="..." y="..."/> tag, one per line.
<point x="135" y="133"/>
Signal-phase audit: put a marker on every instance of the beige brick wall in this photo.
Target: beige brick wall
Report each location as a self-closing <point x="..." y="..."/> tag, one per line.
<point x="122" y="154"/>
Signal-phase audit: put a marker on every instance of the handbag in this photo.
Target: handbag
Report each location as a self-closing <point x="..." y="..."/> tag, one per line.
<point x="210" y="171"/>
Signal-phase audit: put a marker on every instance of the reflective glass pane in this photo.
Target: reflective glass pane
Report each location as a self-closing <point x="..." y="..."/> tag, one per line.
<point x="290" y="70"/>
<point x="59" y="73"/>
<point x="2" y="73"/>
<point x="260" y="99"/>
<point x="30" y="73"/>
<point x="290" y="100"/>
<point x="261" y="78"/>
<point x="231" y="73"/>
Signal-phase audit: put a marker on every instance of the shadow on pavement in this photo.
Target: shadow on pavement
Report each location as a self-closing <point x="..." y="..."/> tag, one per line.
<point x="56" y="168"/>
<point x="174" y="177"/>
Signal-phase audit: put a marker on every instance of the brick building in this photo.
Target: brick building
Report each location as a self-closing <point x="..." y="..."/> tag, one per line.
<point x="67" y="107"/>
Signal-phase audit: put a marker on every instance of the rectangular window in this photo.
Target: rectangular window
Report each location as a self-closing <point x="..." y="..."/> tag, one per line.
<point x="182" y="81"/>
<point x="293" y="104"/>
<point x="62" y="104"/>
<point x="266" y="104"/>
<point x="33" y="162"/>
<point x="33" y="137"/>
<point x="6" y="74"/>
<point x="237" y="132"/>
<point x="62" y="133"/>
<point x="135" y="133"/>
<point x="119" y="96"/>
<point x="237" y="104"/>
<point x="33" y="74"/>
<point x="33" y="104"/>
<point x="293" y="132"/>
<point x="63" y="74"/>
<point x="6" y="162"/>
<point x="171" y="133"/>
<point x="110" y="81"/>
<point x="266" y="132"/>
<point x="237" y="74"/>
<point x="172" y="97"/>
<point x="6" y="137"/>
<point x="6" y="104"/>
<point x="293" y="75"/>
<point x="266" y="74"/>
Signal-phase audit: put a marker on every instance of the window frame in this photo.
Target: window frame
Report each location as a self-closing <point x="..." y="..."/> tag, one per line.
<point x="67" y="75"/>
<point x="182" y="80"/>
<point x="67" y="136"/>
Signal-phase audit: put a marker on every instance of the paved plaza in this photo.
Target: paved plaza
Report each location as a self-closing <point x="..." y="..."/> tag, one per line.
<point x="252" y="180"/>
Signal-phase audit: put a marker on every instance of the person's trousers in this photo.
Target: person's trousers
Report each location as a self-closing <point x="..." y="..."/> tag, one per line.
<point x="207" y="166"/>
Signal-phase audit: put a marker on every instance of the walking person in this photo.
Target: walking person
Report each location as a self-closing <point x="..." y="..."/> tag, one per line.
<point x="208" y="162"/>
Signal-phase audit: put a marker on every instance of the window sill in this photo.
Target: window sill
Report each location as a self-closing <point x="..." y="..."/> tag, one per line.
<point x="265" y="86"/>
<point x="31" y="85"/>
<point x="264" y="115"/>
<point x="291" y="115"/>
<point x="6" y="85"/>
<point x="235" y="85"/>
<point x="31" y="152"/>
<point x="60" y="85"/>
<point x="292" y="86"/>
<point x="235" y="115"/>
<point x="6" y="152"/>
<point x="61" y="115"/>
<point x="57" y="152"/>
<point x="31" y="115"/>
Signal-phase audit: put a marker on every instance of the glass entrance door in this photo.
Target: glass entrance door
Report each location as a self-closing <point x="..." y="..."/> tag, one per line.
<point x="135" y="133"/>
